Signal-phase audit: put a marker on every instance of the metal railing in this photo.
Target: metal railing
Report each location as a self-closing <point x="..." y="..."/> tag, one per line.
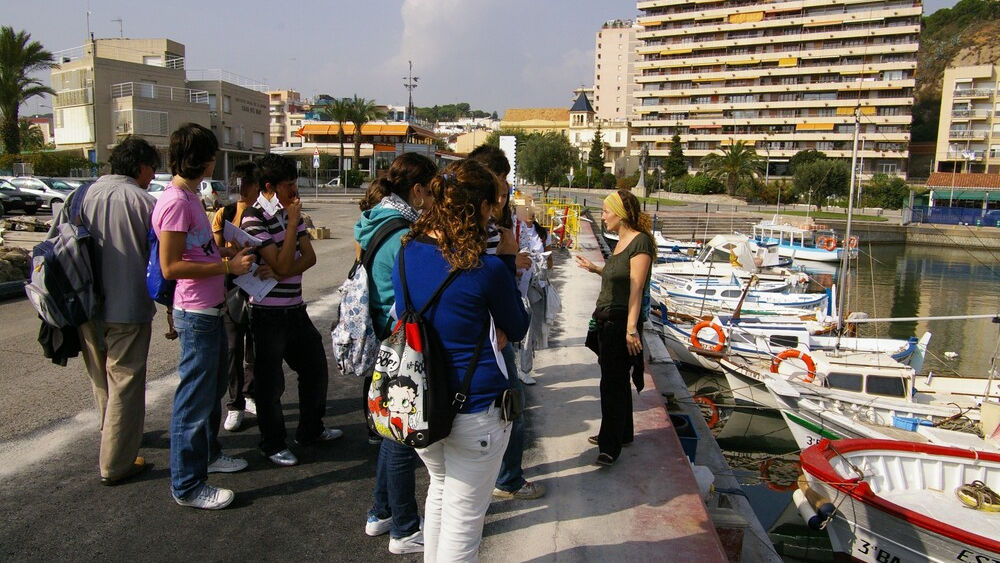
<point x="158" y="92"/>
<point x="971" y="113"/>
<point x="76" y="97"/>
<point x="968" y="134"/>
<point x="216" y="74"/>
<point x="970" y="92"/>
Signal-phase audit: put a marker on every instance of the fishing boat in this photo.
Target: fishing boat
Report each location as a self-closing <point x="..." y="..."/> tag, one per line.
<point x="667" y="249"/>
<point x="802" y="239"/>
<point x="891" y="501"/>
<point x="731" y="255"/>
<point x="726" y="298"/>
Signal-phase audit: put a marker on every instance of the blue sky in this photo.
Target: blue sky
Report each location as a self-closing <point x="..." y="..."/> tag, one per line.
<point x="493" y="54"/>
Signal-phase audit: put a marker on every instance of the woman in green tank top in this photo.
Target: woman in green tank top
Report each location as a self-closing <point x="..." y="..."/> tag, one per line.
<point x="624" y="277"/>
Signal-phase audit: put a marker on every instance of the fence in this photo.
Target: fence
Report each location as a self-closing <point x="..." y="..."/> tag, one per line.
<point x="562" y="219"/>
<point x="956" y="216"/>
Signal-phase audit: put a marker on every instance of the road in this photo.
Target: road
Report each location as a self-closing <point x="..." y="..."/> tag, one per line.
<point x="54" y="507"/>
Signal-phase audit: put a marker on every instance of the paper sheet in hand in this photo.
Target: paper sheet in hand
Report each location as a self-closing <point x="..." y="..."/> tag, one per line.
<point x="238" y="236"/>
<point x="254" y="286"/>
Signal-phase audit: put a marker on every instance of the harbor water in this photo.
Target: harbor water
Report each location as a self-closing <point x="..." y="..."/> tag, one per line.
<point x="886" y="281"/>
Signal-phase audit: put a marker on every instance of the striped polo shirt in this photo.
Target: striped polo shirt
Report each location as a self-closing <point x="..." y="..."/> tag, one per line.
<point x="271" y="229"/>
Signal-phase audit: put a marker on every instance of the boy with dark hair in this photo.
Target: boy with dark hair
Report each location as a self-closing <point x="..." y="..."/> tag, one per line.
<point x="279" y="323"/>
<point x="188" y="254"/>
<point x="115" y="346"/>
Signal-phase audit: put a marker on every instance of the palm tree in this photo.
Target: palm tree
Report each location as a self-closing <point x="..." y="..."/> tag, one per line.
<point x="340" y="111"/>
<point x="19" y="57"/>
<point x="32" y="138"/>
<point x="738" y="162"/>
<point x="362" y="111"/>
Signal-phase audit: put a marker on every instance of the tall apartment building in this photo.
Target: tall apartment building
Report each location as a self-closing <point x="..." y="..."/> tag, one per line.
<point x="969" y="127"/>
<point x="110" y="88"/>
<point x="784" y="76"/>
<point x="614" y="68"/>
<point x="286" y="114"/>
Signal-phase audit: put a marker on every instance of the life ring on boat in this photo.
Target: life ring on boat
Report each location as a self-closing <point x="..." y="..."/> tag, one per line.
<point x="718" y="331"/>
<point x="852" y="243"/>
<point x="793" y="353"/>
<point x="765" y="476"/>
<point x="828" y="243"/>
<point x="703" y="401"/>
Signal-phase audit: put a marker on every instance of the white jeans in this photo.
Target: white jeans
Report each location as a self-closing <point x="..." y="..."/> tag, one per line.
<point x="463" y="469"/>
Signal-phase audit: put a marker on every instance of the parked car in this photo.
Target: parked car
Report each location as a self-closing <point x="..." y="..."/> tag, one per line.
<point x="43" y="188"/>
<point x="334" y="183"/>
<point x="156" y="188"/>
<point x="13" y="199"/>
<point x="213" y="194"/>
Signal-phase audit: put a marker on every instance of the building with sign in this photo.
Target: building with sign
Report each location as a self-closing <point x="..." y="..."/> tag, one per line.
<point x="781" y="76"/>
<point x="381" y="142"/>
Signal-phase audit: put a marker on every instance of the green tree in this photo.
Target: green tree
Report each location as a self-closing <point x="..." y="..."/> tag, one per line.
<point x="821" y="179"/>
<point x="545" y="158"/>
<point x="340" y="111"/>
<point x="19" y="57"/>
<point x="804" y="157"/>
<point x="595" y="159"/>
<point x="32" y="138"/>
<point x="362" y="111"/>
<point x="734" y="165"/>
<point x="890" y="192"/>
<point x="675" y="166"/>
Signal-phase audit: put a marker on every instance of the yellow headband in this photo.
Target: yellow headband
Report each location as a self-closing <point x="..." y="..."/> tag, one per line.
<point x="615" y="205"/>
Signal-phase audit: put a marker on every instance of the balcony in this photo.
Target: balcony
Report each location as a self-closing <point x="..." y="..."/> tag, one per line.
<point x="977" y="156"/>
<point x="971" y="114"/>
<point x="968" y="133"/>
<point x="158" y="92"/>
<point x="77" y="97"/>
<point x="973" y="92"/>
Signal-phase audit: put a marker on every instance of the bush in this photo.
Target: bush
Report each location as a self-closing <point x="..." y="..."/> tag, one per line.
<point x="702" y="184"/>
<point x="354" y="178"/>
<point x="885" y="191"/>
<point x="608" y="181"/>
<point x="58" y="163"/>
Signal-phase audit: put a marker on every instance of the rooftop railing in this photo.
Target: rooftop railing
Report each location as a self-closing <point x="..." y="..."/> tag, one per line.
<point x="158" y="92"/>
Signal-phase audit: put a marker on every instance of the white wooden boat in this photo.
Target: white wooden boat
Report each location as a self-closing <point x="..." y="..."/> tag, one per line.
<point x="719" y="298"/>
<point x="726" y="256"/>
<point x="803" y="240"/>
<point x="895" y="502"/>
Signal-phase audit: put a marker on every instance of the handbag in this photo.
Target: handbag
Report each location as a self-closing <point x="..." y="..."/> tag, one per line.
<point x="238" y="307"/>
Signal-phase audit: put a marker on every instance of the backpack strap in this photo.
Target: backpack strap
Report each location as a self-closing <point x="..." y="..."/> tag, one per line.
<point x="407" y="302"/>
<point x="76" y="203"/>
<point x="463" y="394"/>
<point x="381" y="234"/>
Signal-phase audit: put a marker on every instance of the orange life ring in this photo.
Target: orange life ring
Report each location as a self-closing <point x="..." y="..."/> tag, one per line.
<point x="852" y="243"/>
<point x="829" y="243"/>
<point x="708" y="324"/>
<point x="710" y="404"/>
<point x="793" y="353"/>
<point x="765" y="476"/>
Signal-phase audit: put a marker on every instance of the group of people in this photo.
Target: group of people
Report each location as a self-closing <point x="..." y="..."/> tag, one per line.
<point x="457" y="219"/>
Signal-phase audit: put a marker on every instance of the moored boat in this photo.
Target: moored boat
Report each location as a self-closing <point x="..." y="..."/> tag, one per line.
<point x="803" y="240"/>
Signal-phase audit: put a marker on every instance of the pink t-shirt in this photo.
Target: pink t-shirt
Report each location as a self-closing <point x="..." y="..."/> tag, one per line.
<point x="179" y="210"/>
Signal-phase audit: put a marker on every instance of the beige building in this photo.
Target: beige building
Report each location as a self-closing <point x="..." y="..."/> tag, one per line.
<point x="466" y="142"/>
<point x="615" y="56"/>
<point x="969" y="127"/>
<point x="286" y="114"/>
<point x="239" y="116"/>
<point x="583" y="127"/>
<point x="110" y="88"/>
<point x="536" y="120"/>
<point x="784" y="76"/>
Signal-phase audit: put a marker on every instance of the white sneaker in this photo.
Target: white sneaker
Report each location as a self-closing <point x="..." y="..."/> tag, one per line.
<point x="413" y="543"/>
<point x="226" y="464"/>
<point x="209" y="498"/>
<point x="284" y="458"/>
<point x="233" y="421"/>
<point x="376" y="526"/>
<point x="526" y="378"/>
<point x="251" y="407"/>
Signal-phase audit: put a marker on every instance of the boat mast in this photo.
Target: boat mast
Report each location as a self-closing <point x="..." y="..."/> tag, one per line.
<point x="845" y="252"/>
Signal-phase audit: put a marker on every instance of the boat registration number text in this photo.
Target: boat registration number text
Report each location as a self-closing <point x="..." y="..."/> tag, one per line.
<point x="973" y="557"/>
<point x="875" y="553"/>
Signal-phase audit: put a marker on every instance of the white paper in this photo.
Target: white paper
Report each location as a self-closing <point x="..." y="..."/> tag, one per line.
<point x="254" y="286"/>
<point x="238" y="236"/>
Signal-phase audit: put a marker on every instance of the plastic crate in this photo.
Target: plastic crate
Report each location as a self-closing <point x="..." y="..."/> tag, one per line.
<point x="908" y="423"/>
<point x="687" y="434"/>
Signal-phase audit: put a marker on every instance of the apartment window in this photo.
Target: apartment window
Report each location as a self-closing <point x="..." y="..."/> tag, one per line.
<point x="618" y="136"/>
<point x="888" y="168"/>
<point x="227" y="135"/>
<point x="893" y="75"/>
<point x="742" y="99"/>
<point x="994" y="151"/>
<point x="824" y="145"/>
<point x="826" y="112"/>
<point x="888" y="111"/>
<point x="702" y="99"/>
<point x="226" y="101"/>
<point x="146" y="90"/>
<point x="213" y="103"/>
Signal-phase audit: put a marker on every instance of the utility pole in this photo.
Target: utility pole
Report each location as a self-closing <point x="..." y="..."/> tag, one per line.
<point x="410" y="82"/>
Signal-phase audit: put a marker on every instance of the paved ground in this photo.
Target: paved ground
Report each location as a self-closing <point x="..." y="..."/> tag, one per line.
<point x="643" y="508"/>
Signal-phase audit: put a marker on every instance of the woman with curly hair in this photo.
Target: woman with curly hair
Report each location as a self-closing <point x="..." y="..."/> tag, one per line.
<point x="624" y="276"/>
<point x="451" y="235"/>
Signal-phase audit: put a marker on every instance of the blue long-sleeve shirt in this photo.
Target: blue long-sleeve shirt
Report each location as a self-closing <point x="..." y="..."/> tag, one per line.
<point x="460" y="314"/>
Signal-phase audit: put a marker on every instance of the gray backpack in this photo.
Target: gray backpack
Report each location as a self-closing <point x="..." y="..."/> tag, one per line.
<point x="65" y="286"/>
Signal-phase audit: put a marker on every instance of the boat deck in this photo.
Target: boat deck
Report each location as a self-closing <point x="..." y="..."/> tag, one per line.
<point x="945" y="506"/>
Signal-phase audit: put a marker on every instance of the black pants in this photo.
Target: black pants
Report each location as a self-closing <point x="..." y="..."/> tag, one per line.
<point x="287" y="334"/>
<point x="241" y="361"/>
<point x="616" y="394"/>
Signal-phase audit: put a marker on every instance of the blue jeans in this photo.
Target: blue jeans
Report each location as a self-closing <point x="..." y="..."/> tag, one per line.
<point x="395" y="488"/>
<point x="511" y="477"/>
<point x="194" y="424"/>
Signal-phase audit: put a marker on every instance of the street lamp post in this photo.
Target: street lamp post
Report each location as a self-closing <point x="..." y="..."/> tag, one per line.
<point x="588" y="176"/>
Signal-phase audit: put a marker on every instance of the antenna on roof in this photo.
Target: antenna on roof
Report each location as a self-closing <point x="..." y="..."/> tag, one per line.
<point x="410" y="82"/>
<point x="121" y="27"/>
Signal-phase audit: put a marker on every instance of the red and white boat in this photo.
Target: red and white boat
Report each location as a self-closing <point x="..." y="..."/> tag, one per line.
<point x="896" y="501"/>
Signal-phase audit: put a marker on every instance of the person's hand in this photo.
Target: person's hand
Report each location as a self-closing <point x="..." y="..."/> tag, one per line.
<point x="294" y="210"/>
<point x="634" y="343"/>
<point x="265" y="272"/>
<point x="522" y="261"/>
<point x="240" y="264"/>
<point x="507" y="243"/>
<point x="585" y="264"/>
<point x="501" y="338"/>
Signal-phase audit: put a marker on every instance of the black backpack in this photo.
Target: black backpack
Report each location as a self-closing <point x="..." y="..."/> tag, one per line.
<point x="411" y="400"/>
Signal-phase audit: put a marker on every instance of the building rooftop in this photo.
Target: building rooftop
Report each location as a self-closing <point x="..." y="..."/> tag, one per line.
<point x="536" y="114"/>
<point x="582" y="104"/>
<point x="963" y="180"/>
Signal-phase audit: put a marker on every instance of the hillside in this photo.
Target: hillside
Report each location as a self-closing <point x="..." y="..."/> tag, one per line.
<point x="963" y="35"/>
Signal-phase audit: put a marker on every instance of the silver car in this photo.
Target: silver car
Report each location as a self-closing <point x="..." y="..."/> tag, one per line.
<point x="48" y="191"/>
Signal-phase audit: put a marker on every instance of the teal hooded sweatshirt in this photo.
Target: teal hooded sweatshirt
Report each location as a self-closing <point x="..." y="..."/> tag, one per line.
<point x="380" y="293"/>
